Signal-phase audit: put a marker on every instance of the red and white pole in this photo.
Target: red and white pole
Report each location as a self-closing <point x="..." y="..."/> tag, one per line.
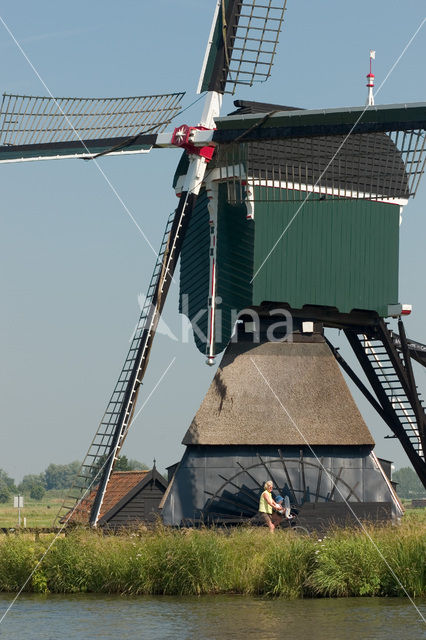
<point x="370" y="81"/>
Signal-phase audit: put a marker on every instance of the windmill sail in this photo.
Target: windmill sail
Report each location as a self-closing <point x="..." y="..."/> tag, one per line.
<point x="242" y="44"/>
<point x="39" y="128"/>
<point x="112" y="431"/>
<point x="98" y="454"/>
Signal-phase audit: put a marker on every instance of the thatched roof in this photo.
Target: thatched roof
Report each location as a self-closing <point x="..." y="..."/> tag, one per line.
<point x="240" y="407"/>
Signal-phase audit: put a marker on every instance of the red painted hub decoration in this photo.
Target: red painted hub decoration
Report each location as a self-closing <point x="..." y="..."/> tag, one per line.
<point x="180" y="135"/>
<point x="183" y="137"/>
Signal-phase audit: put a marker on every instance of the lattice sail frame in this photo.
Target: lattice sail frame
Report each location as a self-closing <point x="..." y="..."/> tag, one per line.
<point x="76" y="500"/>
<point x="243" y="44"/>
<point x="252" y="49"/>
<point x="34" y="120"/>
<point x="374" y="166"/>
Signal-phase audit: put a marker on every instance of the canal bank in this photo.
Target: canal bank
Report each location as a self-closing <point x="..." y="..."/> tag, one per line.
<point x="375" y="561"/>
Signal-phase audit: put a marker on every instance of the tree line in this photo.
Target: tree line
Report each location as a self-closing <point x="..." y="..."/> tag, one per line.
<point x="409" y="485"/>
<point x="55" y="476"/>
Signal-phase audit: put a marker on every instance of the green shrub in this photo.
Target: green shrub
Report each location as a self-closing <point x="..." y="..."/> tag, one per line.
<point x="346" y="564"/>
<point x="37" y="492"/>
<point x="18" y="558"/>
<point x="405" y="555"/>
<point x="4" y="492"/>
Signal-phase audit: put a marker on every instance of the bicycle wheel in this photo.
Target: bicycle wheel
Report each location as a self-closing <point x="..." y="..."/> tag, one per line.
<point x="299" y="530"/>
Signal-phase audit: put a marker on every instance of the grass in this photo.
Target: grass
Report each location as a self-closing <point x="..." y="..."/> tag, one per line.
<point x="349" y="564"/>
<point x="38" y="513"/>
<point x="206" y="561"/>
<point x="415" y="515"/>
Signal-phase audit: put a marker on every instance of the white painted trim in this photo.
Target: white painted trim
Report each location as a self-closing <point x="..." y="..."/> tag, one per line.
<point x="86" y="156"/>
<point x="340" y="193"/>
<point x="179" y="184"/>
<point x="221" y="174"/>
<point x="249" y="202"/>
<point x="212" y="107"/>
<point x="195" y="175"/>
<point x="164" y="139"/>
<point x="396" y="500"/>
<point x="209" y="46"/>
<point x="237" y="171"/>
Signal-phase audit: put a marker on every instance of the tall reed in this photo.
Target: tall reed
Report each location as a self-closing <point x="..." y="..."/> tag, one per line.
<point x="200" y="561"/>
<point x="384" y="561"/>
<point x="287" y="566"/>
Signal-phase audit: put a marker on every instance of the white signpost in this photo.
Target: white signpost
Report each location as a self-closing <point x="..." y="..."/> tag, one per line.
<point x="18" y="503"/>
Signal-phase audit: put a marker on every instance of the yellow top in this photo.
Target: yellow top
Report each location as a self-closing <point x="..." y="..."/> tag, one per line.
<point x="264" y="507"/>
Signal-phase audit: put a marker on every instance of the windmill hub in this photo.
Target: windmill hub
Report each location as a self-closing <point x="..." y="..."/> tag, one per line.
<point x="184" y="137"/>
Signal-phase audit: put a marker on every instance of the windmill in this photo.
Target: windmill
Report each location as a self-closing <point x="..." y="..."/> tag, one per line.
<point x="262" y="157"/>
<point x="250" y="31"/>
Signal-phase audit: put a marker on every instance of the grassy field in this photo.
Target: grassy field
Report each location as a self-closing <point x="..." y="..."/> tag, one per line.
<point x="38" y="513"/>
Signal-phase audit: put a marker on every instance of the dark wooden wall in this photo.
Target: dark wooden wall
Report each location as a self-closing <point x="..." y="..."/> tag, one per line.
<point x="143" y="507"/>
<point x="321" y="516"/>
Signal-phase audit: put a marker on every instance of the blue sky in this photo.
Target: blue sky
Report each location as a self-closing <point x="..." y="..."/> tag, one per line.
<point x="72" y="261"/>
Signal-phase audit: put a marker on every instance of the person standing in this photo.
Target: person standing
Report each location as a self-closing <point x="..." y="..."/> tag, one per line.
<point x="267" y="505"/>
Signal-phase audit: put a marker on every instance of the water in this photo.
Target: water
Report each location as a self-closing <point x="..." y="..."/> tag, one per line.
<point x="83" y="617"/>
